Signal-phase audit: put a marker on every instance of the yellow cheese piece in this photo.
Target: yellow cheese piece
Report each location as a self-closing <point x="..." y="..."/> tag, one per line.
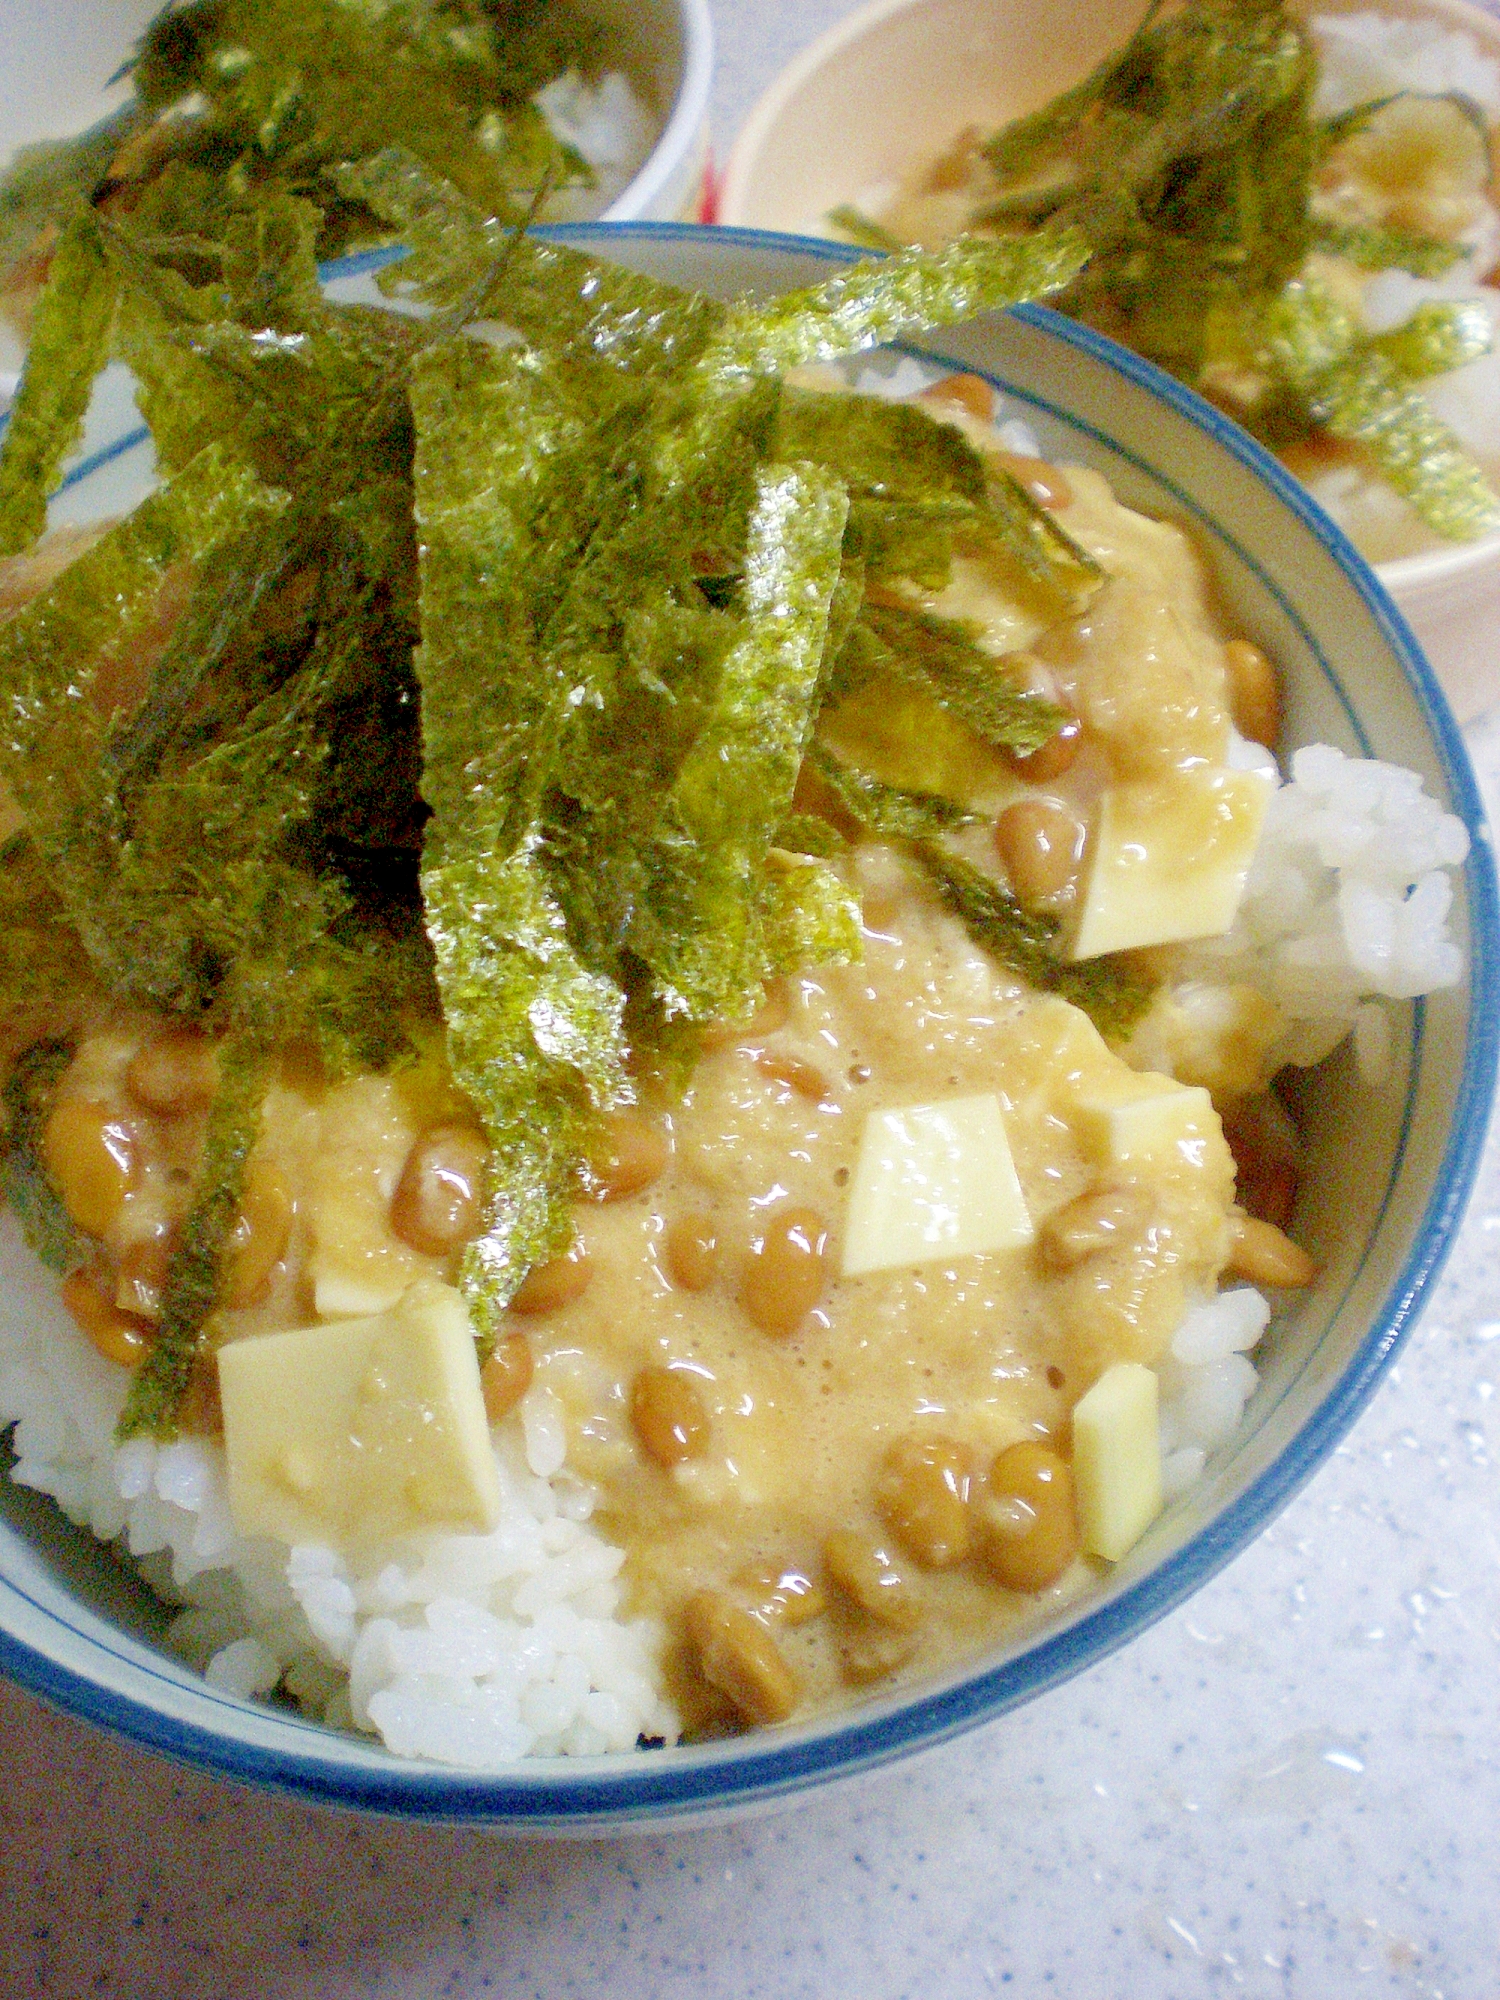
<point x="1168" y="860"/>
<point x="362" y="1429"/>
<point x="1148" y="1124"/>
<point x="933" y="1180"/>
<point x="1117" y="1460"/>
<point x="356" y="1264"/>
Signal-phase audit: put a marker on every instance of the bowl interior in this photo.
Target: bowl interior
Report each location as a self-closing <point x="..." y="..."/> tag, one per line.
<point x="1389" y="1173"/>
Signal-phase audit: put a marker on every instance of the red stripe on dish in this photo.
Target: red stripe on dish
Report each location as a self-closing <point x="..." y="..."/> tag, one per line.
<point x="708" y="196"/>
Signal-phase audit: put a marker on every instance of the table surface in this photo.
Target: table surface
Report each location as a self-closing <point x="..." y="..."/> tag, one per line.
<point x="1290" y="1787"/>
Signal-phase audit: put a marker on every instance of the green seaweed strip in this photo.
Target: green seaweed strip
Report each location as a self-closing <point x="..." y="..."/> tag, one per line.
<point x="809" y="916"/>
<point x="1368" y="404"/>
<point x="534" y="1036"/>
<point x="894" y="299"/>
<point x="808" y="833"/>
<point x="886" y="450"/>
<point x="992" y="915"/>
<point x="46" y="184"/>
<point x="1438" y="336"/>
<point x="561" y="300"/>
<point x="536" y="1041"/>
<point x="502" y="528"/>
<point x="192" y="1286"/>
<point x="297" y="399"/>
<point x="193" y="681"/>
<point x="1038" y="136"/>
<point x="189" y="404"/>
<point x="178" y="930"/>
<point x="51" y="655"/>
<point x="1110" y="990"/>
<point x="265" y="94"/>
<point x="698" y="926"/>
<point x="863" y="230"/>
<point x="29" y="1092"/>
<point x="43" y="969"/>
<point x="888" y="811"/>
<point x="1030" y="535"/>
<point x="69" y="346"/>
<point x="938" y="656"/>
<point x="843" y="616"/>
<point x="1357" y="393"/>
<point x="1376" y="249"/>
<point x="1189" y="158"/>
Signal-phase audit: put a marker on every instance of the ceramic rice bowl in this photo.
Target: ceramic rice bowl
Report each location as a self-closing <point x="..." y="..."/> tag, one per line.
<point x="1388" y="1172"/>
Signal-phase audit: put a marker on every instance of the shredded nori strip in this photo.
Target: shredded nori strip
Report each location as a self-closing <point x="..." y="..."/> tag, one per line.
<point x="29" y="1093"/>
<point x="1377" y="249"/>
<point x="882" y="301"/>
<point x="939" y="657"/>
<point x="193" y="1277"/>
<point x="890" y="812"/>
<point x="1436" y="338"/>
<point x="1111" y="990"/>
<point x="69" y="343"/>
<point x="1353" y="387"/>
<point x="860" y="229"/>
<point x="44" y="971"/>
<point x="698" y="926"/>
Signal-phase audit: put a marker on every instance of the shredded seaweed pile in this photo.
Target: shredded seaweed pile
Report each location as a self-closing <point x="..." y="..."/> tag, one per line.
<point x="1193" y="164"/>
<point x="231" y="96"/>
<point x="448" y="676"/>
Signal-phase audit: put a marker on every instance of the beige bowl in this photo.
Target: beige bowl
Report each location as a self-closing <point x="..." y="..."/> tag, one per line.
<point x="890" y="86"/>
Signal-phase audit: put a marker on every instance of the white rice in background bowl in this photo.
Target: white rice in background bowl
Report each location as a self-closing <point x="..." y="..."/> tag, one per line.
<point x="1370" y="55"/>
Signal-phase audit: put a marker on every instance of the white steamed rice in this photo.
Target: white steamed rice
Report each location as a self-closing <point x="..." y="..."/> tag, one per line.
<point x="471" y="1649"/>
<point x="608" y="125"/>
<point x="1346" y="908"/>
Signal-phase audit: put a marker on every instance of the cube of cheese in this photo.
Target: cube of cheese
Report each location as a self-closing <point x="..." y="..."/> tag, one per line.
<point x="1169" y="860"/>
<point x="361" y="1429"/>
<point x="1148" y="1123"/>
<point x="356" y="1264"/>
<point x="933" y="1180"/>
<point x="1117" y="1460"/>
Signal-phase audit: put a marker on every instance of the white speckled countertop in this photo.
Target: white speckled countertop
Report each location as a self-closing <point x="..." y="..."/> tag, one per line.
<point x="1291" y="1787"/>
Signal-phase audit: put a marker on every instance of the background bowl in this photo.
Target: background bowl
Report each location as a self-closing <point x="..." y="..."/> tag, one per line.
<point x="890" y="86"/>
<point x="61" y="55"/>
<point x="1388" y="1174"/>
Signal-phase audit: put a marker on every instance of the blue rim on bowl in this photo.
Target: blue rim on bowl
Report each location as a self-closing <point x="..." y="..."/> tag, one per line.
<point x="1422" y="1199"/>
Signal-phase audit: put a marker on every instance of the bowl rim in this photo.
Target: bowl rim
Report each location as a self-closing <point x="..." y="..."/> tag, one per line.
<point x="1426" y="570"/>
<point x="606" y="1795"/>
<point x="687" y="121"/>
